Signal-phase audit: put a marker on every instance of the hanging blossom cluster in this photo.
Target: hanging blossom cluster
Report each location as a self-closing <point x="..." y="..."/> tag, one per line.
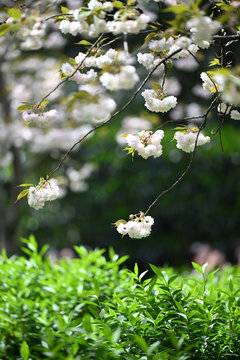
<point x="40" y="118"/>
<point x="79" y="77"/>
<point x="146" y="143"/>
<point x="32" y="29"/>
<point x="95" y="20"/>
<point x="95" y="106"/>
<point x="116" y="71"/>
<point x="157" y="101"/>
<point x="202" y="28"/>
<point x="132" y="125"/>
<point x="137" y="227"/>
<point x="188" y="138"/>
<point x="162" y="47"/>
<point x="235" y="115"/>
<point x="46" y="190"/>
<point x="228" y="86"/>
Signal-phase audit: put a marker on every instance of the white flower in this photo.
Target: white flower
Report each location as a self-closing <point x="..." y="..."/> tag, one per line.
<point x="153" y="103"/>
<point x="208" y="84"/>
<point x="161" y="45"/>
<point x="39" y="118"/>
<point x="46" y="190"/>
<point x="235" y="115"/>
<point x="183" y="42"/>
<point x="65" y="26"/>
<point x="136" y="227"/>
<point x="81" y="78"/>
<point x="50" y="115"/>
<point x="125" y="79"/>
<point x="128" y="26"/>
<point x="149" y="61"/>
<point x="223" y="108"/>
<point x="67" y="69"/>
<point x="202" y="28"/>
<point x="230" y="88"/>
<point x="132" y="125"/>
<point x="146" y="143"/>
<point x="186" y="141"/>
<point x="28" y="116"/>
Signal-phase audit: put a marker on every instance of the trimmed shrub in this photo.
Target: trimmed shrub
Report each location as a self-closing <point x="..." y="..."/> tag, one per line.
<point x="89" y="308"/>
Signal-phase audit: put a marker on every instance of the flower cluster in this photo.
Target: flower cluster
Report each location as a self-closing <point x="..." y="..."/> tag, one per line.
<point x="31" y="30"/>
<point x="95" y="107"/>
<point x="137" y="227"/>
<point x="146" y="143"/>
<point x="128" y="26"/>
<point x="46" y="190"/>
<point x="186" y="139"/>
<point x="97" y="61"/>
<point x="202" y="28"/>
<point x="125" y="79"/>
<point x="80" y="78"/>
<point x="166" y="46"/>
<point x="132" y="125"/>
<point x="40" y="118"/>
<point x="158" y="102"/>
<point x="79" y="21"/>
<point x="230" y="86"/>
<point x="235" y="115"/>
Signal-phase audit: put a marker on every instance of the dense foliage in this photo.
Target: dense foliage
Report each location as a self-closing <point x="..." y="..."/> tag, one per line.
<point x="89" y="308"/>
<point x="61" y="95"/>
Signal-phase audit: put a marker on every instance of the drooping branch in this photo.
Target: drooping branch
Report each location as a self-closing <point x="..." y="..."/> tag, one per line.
<point x="163" y="61"/>
<point x="179" y="179"/>
<point x="73" y="73"/>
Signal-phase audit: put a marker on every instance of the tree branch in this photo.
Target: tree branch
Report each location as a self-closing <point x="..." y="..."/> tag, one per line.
<point x="117" y="112"/>
<point x="190" y="162"/>
<point x="74" y="72"/>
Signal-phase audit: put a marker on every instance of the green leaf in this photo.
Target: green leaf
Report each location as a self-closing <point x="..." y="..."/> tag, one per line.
<point x="156" y="86"/>
<point x="177" y="9"/>
<point x="22" y="185"/>
<point x="84" y="13"/>
<point x="149" y="37"/>
<point x="121" y="221"/>
<point x="4" y="29"/>
<point x="24" y="350"/>
<point x="197" y="267"/>
<point x="136" y="269"/>
<point x="15" y="13"/>
<point x="84" y="42"/>
<point x="118" y="4"/>
<point x="22" y="194"/>
<point x="64" y="10"/>
<point x="141" y="343"/>
<point x="24" y="107"/>
<point x="157" y="271"/>
<point x="214" y="62"/>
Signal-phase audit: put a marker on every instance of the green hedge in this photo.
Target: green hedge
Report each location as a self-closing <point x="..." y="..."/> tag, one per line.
<point x="89" y="308"/>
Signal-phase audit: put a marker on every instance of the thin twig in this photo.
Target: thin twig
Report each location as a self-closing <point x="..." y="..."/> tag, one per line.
<point x="71" y="75"/>
<point x="57" y="15"/>
<point x="190" y="162"/>
<point x="214" y="84"/>
<point x="50" y="6"/>
<point x="226" y="37"/>
<point x="116" y="113"/>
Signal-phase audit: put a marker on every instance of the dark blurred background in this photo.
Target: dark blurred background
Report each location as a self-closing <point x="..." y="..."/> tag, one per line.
<point x="202" y="209"/>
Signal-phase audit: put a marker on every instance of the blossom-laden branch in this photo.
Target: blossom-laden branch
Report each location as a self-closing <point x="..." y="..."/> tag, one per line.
<point x="191" y="31"/>
<point x="163" y="61"/>
<point x="73" y="73"/>
<point x="203" y="124"/>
